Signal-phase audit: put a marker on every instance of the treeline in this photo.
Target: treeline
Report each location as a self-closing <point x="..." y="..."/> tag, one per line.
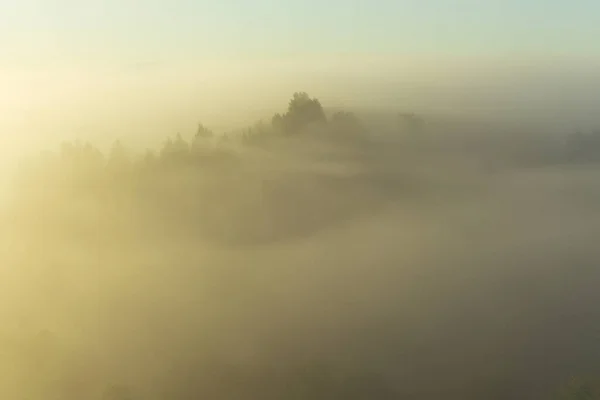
<point x="304" y="115"/>
<point x="242" y="186"/>
<point x="80" y="212"/>
<point x="231" y="188"/>
<point x="246" y="187"/>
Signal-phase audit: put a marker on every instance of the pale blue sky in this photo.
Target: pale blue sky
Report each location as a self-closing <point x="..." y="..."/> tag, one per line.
<point x="48" y="31"/>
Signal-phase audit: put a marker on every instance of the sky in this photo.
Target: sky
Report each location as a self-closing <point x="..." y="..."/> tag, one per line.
<point x="70" y="66"/>
<point x="53" y="32"/>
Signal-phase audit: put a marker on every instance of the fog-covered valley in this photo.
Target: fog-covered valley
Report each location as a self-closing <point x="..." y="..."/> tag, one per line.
<point x="320" y="254"/>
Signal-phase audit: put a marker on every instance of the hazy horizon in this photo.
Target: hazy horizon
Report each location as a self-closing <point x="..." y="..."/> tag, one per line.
<point x="169" y="98"/>
<point x="113" y="68"/>
<point x="415" y="217"/>
<point x="141" y="104"/>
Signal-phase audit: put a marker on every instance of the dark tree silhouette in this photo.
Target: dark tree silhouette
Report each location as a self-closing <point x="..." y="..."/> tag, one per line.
<point x="175" y="149"/>
<point x="202" y="138"/>
<point x="302" y="112"/>
<point x="203" y="132"/>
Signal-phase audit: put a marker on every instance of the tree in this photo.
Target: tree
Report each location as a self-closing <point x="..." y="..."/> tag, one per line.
<point x="175" y="149"/>
<point x="302" y="112"/>
<point x="347" y="124"/>
<point x="410" y="122"/>
<point x="118" y="157"/>
<point x="277" y="122"/>
<point x="203" y="132"/>
<point x="180" y="146"/>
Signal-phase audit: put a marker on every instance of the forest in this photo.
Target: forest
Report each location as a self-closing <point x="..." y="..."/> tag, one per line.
<point x="312" y="256"/>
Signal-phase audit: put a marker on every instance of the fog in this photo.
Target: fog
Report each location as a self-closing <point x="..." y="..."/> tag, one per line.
<point x="446" y="254"/>
<point x="146" y="100"/>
